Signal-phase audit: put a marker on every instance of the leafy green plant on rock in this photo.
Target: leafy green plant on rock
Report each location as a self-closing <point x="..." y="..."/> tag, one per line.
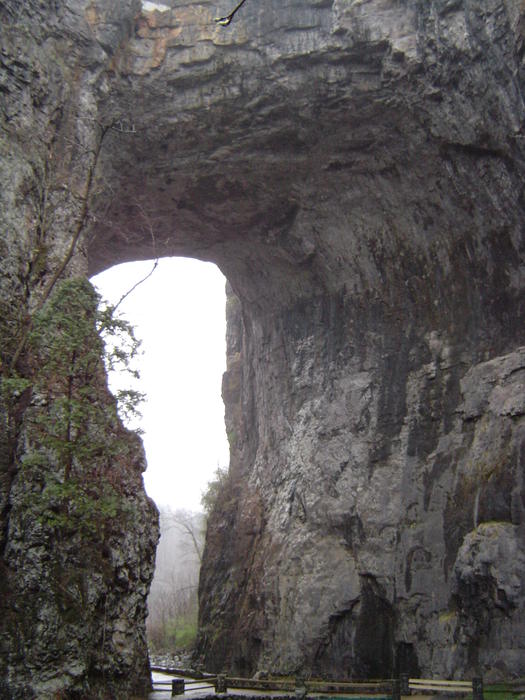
<point x="215" y="489"/>
<point x="75" y="441"/>
<point x="78" y="507"/>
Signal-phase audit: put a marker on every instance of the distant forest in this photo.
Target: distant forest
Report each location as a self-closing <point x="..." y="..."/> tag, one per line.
<point x="172" y="603"/>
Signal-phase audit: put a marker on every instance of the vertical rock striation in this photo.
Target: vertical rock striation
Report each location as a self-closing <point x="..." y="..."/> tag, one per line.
<point x="356" y="170"/>
<point x="77" y="531"/>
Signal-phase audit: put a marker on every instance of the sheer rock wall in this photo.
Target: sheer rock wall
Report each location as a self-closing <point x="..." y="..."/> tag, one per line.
<point x="77" y="535"/>
<point x="355" y="169"/>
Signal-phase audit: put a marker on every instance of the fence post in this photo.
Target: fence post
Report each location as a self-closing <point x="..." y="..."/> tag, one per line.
<point x="396" y="689"/>
<point x="220" y="683"/>
<point x="177" y="687"/>
<point x="477" y="688"/>
<point x="405" y="689"/>
<point x="300" y="687"/>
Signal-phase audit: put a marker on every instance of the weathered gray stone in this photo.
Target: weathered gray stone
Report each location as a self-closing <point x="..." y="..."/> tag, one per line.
<point x="72" y="604"/>
<point x="489" y="593"/>
<point x="355" y="169"/>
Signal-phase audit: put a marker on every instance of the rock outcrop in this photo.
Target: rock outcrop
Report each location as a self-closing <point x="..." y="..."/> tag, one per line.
<point x="77" y="531"/>
<point x="355" y="169"/>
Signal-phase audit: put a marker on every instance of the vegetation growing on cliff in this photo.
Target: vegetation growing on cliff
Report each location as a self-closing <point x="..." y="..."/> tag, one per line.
<point x="76" y="442"/>
<point x="214" y="488"/>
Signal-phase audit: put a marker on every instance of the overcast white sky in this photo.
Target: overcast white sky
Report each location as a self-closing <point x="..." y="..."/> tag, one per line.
<point x="179" y="313"/>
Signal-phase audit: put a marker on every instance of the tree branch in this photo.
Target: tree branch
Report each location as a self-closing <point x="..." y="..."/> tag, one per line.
<point x="155" y="263"/>
<point x="74" y="240"/>
<point x="225" y="21"/>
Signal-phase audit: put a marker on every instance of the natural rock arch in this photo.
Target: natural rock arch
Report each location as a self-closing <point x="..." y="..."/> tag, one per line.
<point x="355" y="170"/>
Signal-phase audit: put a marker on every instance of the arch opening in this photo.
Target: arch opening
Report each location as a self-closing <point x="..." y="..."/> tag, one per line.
<point x="179" y="314"/>
<point x="357" y="220"/>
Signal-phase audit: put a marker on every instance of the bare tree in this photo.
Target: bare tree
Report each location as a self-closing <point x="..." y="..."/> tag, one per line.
<point x="172" y="603"/>
<point x="189" y="525"/>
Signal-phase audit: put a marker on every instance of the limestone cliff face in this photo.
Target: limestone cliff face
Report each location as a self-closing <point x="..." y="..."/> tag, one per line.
<point x="355" y="169"/>
<point x="77" y="531"/>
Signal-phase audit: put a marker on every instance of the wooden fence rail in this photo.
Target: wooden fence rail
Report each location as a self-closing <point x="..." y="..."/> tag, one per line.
<point x="300" y="687"/>
<point x="475" y="686"/>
